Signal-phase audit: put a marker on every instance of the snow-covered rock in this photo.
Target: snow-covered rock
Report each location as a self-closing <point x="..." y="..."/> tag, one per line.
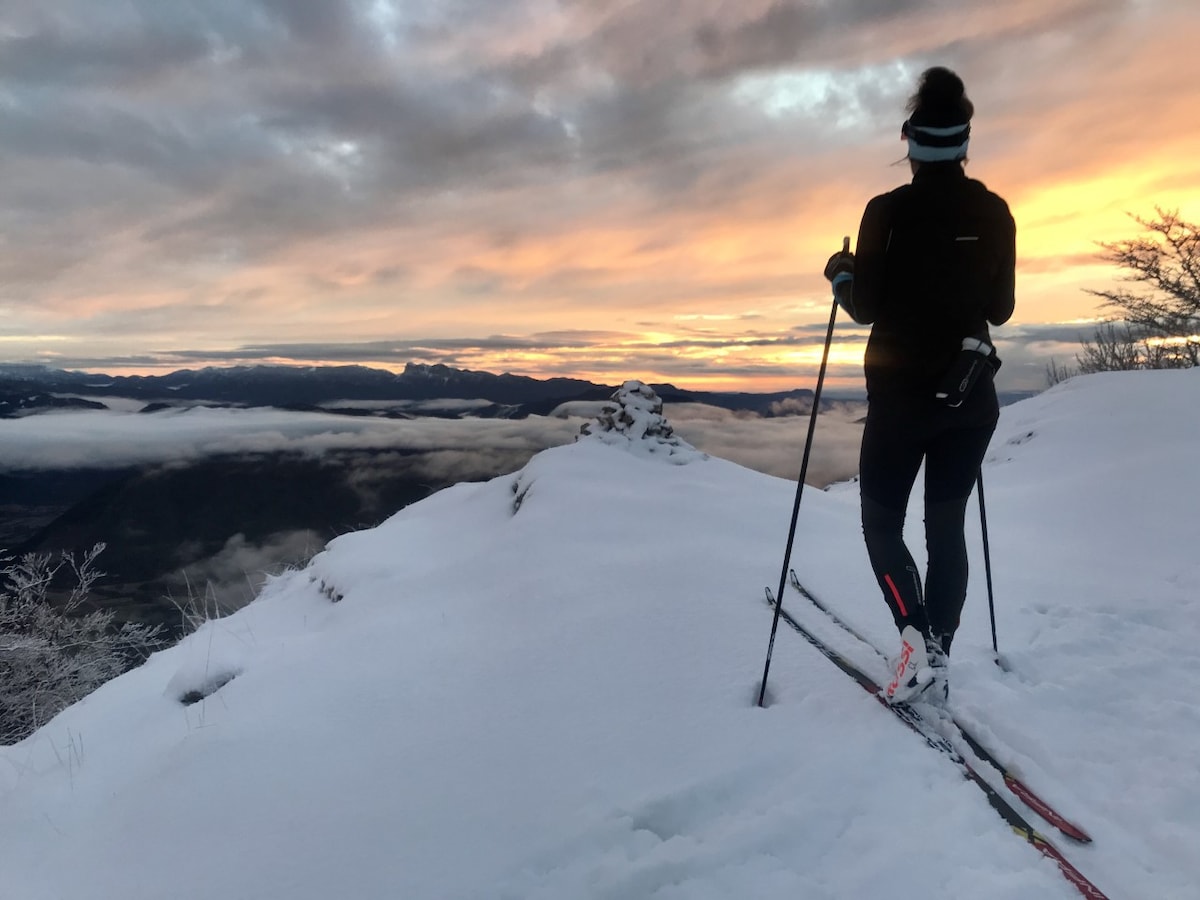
<point x="633" y="420"/>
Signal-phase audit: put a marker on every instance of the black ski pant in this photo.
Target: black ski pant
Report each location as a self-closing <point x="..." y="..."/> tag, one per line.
<point x="902" y="431"/>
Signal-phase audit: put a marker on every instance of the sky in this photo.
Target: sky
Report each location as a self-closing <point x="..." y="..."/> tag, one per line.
<point x="602" y="189"/>
<point x="543" y="686"/>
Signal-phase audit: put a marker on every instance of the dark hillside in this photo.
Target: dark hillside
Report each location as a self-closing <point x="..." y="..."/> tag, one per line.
<point x="271" y="509"/>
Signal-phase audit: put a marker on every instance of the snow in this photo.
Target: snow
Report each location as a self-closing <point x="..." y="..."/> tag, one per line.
<point x="542" y="686"/>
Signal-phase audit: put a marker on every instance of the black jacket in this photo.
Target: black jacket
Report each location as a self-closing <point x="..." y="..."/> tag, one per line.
<point x="935" y="263"/>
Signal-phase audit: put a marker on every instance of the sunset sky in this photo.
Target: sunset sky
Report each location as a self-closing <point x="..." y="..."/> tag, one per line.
<point x="594" y="188"/>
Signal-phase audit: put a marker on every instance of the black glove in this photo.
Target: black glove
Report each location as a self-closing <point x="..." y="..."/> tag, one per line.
<point x="841" y="263"/>
<point x="840" y="267"/>
<point x="840" y="270"/>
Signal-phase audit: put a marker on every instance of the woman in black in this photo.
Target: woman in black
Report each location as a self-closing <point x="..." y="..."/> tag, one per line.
<point x="934" y="265"/>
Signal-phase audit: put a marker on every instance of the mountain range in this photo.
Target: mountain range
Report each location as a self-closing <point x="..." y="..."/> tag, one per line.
<point x="30" y="388"/>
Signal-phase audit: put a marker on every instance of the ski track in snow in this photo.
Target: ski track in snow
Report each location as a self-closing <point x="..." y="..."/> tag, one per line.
<point x="542" y="686"/>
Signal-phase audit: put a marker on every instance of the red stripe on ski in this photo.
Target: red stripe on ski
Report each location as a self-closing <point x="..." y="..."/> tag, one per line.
<point x="1047" y="812"/>
<point x="1071" y="873"/>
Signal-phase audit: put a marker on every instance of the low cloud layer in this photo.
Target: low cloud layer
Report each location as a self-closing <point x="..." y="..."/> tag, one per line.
<point x="776" y="445"/>
<point x="232" y="577"/>
<point x="119" y="439"/>
<point x="449" y="449"/>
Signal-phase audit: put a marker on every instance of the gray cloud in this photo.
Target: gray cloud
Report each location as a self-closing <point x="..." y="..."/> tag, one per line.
<point x="52" y="56"/>
<point x="448" y="349"/>
<point x="1029" y="350"/>
<point x="304" y="122"/>
<point x="277" y="76"/>
<point x="803" y="336"/>
<point x="275" y="120"/>
<point x="1051" y="333"/>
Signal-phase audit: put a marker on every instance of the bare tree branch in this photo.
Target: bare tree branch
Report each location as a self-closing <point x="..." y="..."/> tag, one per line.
<point x="1167" y="265"/>
<point x="1162" y="317"/>
<point x="49" y="657"/>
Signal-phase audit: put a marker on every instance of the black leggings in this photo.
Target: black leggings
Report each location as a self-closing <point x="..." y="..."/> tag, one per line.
<point x="902" y="431"/>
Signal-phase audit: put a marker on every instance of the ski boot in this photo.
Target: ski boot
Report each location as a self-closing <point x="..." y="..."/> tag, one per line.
<point x="912" y="672"/>
<point x="938" y="690"/>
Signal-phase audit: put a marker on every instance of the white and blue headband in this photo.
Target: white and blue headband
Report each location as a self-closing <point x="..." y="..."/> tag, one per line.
<point x="930" y="144"/>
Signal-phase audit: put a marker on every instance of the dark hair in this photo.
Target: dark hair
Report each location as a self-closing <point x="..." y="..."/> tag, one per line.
<point x="940" y="101"/>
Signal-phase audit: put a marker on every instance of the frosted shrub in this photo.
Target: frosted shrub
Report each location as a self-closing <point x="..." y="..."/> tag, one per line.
<point x="52" y="655"/>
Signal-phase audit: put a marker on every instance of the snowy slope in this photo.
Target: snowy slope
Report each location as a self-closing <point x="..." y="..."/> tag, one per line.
<point x="542" y="687"/>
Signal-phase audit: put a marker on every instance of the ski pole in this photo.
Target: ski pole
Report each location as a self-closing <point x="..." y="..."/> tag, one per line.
<point x="812" y="425"/>
<point x="987" y="567"/>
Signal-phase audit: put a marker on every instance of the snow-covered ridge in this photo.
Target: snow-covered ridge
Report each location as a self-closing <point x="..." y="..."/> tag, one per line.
<point x="541" y="686"/>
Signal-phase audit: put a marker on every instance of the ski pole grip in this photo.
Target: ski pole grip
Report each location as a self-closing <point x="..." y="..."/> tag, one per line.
<point x="846" y="244"/>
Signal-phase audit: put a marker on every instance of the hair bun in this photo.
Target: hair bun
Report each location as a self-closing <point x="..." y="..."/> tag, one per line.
<point x="940" y="100"/>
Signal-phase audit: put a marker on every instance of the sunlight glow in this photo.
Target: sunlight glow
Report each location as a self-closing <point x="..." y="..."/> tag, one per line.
<point x="818" y="92"/>
<point x="1174" y="341"/>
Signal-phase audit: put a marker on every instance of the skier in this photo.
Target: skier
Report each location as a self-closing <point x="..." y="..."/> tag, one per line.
<point x="934" y="264"/>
